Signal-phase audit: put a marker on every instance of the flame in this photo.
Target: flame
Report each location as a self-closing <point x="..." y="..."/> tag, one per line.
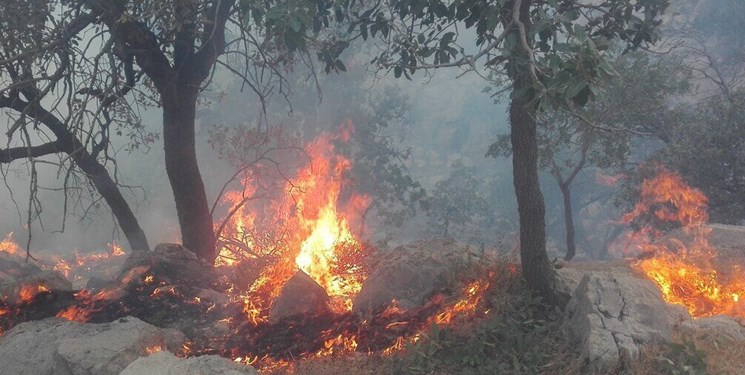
<point x="342" y="343"/>
<point x="8" y="245"/>
<point x="116" y="249"/>
<point x="86" y="305"/>
<point x="685" y="269"/>
<point x="328" y="237"/>
<point x="315" y="234"/>
<point x="468" y="302"/>
<point x="28" y="292"/>
<point x="152" y="349"/>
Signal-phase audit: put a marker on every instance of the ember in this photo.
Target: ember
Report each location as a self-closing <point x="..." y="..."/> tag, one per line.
<point x="685" y="269"/>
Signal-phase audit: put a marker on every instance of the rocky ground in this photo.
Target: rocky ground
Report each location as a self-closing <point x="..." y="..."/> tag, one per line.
<point x="614" y="316"/>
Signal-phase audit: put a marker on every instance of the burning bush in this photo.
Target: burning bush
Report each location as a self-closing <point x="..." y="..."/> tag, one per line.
<point x="684" y="266"/>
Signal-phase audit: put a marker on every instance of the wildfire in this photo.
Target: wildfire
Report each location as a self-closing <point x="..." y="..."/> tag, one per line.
<point x="317" y="238"/>
<point x="468" y="302"/>
<point x="8" y="245"/>
<point x="82" y="311"/>
<point x="312" y="226"/>
<point x="327" y="237"/>
<point x="685" y="269"/>
<point x="152" y="349"/>
<point x="116" y="249"/>
<point x="28" y="292"/>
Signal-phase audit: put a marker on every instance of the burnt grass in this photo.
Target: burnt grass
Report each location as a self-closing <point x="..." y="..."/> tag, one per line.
<point x="176" y="306"/>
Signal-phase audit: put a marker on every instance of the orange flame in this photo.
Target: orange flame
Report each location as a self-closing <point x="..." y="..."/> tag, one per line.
<point x="317" y="236"/>
<point x="8" y="245"/>
<point x="685" y="270"/>
<point x="467" y="304"/>
<point x="152" y="349"/>
<point x="28" y="292"/>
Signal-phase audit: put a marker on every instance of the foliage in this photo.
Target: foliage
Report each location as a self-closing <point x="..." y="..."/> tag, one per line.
<point x="708" y="149"/>
<point x="635" y="103"/>
<point x="378" y="160"/>
<point x="457" y="204"/>
<point x="564" y="41"/>
<point x="519" y="337"/>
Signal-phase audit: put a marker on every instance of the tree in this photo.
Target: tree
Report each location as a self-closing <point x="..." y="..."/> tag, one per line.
<point x="30" y="50"/>
<point x="456" y="202"/>
<point x="703" y="136"/>
<point x="165" y="52"/>
<point x="549" y="51"/>
<point x="636" y="102"/>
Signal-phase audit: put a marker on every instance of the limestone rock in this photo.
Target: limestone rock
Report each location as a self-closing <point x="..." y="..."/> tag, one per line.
<point x="165" y="363"/>
<point x="712" y="331"/>
<point x="412" y="274"/>
<point x="55" y="346"/>
<point x="300" y="295"/>
<point x="172" y="263"/>
<point x="612" y="312"/>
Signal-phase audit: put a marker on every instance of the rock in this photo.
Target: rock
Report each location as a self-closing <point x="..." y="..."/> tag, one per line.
<point x="15" y="273"/>
<point x="171" y="263"/>
<point x="612" y="312"/>
<point x="411" y="275"/>
<point x="96" y="283"/>
<point x="165" y="363"/>
<point x="713" y="331"/>
<point x="300" y="295"/>
<point x="55" y="346"/>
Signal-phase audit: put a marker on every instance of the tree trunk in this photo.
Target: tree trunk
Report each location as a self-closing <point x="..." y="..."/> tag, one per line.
<point x="67" y="142"/>
<point x="537" y="269"/>
<point x="566" y="192"/>
<point x="110" y="192"/>
<point x="179" y="116"/>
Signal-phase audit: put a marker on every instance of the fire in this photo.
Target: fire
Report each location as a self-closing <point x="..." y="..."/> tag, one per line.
<point x="28" y="292"/>
<point x="116" y="249"/>
<point x="311" y="223"/>
<point x="152" y="349"/>
<point x="685" y="270"/>
<point x="86" y="306"/>
<point x="468" y="302"/>
<point x="327" y="234"/>
<point x="316" y="235"/>
<point x="8" y="245"/>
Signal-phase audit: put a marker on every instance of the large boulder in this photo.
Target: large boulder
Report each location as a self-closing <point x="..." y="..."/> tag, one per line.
<point x="55" y="346"/>
<point x="613" y="312"/>
<point x="412" y="274"/>
<point x="300" y="295"/>
<point x="165" y="363"/>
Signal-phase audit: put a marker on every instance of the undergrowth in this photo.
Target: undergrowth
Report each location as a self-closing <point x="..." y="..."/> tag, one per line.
<point x="520" y="335"/>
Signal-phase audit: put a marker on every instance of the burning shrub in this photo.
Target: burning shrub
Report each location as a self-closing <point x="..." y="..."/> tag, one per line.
<point x="685" y="268"/>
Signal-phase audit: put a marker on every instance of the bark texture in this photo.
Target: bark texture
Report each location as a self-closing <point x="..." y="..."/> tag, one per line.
<point x="537" y="269"/>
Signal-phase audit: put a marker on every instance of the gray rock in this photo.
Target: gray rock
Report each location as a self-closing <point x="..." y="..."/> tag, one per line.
<point x="172" y="263"/>
<point x="412" y="274"/>
<point x="165" y="363"/>
<point x="58" y="347"/>
<point x="15" y="273"/>
<point x="712" y="331"/>
<point x="612" y="312"/>
<point x="300" y="295"/>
